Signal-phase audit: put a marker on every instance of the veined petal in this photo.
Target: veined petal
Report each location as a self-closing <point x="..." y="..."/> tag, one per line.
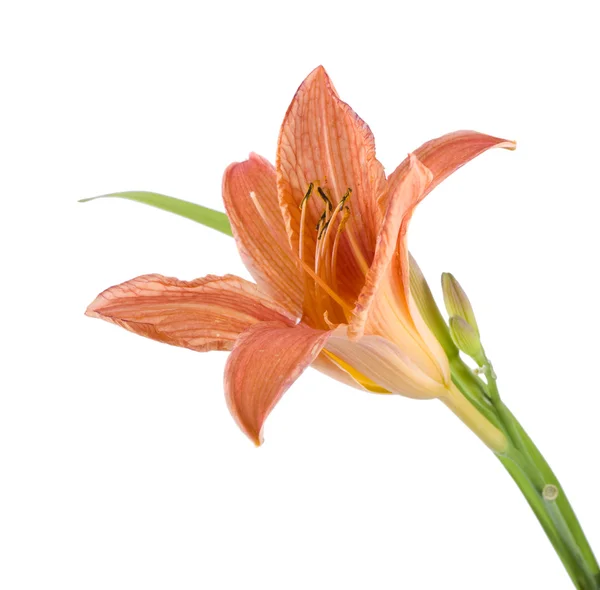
<point x="250" y="196"/>
<point x="393" y="317"/>
<point x="205" y="314"/>
<point x="407" y="192"/>
<point x="446" y="154"/>
<point x="384" y="363"/>
<point x="442" y="156"/>
<point x="265" y="361"/>
<point x="324" y="142"/>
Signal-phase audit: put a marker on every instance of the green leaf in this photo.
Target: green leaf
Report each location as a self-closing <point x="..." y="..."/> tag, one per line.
<point x="203" y="215"/>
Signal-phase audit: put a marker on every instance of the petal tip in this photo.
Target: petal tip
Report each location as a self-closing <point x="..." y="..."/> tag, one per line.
<point x="318" y="71"/>
<point x="253" y="431"/>
<point x="320" y="77"/>
<point x="92" y="309"/>
<point x="254" y="157"/>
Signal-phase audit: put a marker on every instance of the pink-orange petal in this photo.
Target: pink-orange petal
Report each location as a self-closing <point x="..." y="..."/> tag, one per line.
<point x="251" y="202"/>
<point x="205" y="314"/>
<point x="443" y="156"/>
<point x="446" y="154"/>
<point x="392" y="313"/>
<point x="265" y="361"/>
<point x="407" y="192"/>
<point x="323" y="141"/>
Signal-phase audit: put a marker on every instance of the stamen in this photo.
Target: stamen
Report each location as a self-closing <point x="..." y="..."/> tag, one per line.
<point x="351" y="237"/>
<point x="322" y="227"/>
<point x="321" y="220"/>
<point x="323" y="248"/>
<point x="323" y="232"/>
<point x="307" y="195"/>
<point x="336" y="245"/>
<point x="325" y="199"/>
<point x="326" y="288"/>
<point x="303" y="220"/>
<point x="324" y="295"/>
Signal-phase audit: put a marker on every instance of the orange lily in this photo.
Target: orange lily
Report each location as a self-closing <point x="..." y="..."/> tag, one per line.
<point x="323" y="234"/>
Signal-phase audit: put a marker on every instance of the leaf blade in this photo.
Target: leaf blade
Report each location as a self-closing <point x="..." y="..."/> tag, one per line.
<point x="203" y="215"/>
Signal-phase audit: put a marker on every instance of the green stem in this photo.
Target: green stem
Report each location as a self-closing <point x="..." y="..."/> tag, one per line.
<point x="464" y="379"/>
<point x="537" y="504"/>
<point x="558" y="521"/>
<point x="532" y="474"/>
<point x="562" y="504"/>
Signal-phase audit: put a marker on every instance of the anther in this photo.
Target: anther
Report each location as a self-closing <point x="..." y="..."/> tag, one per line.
<point x="307" y="195"/>
<point x="321" y="220"/>
<point x="325" y="198"/>
<point x="323" y="228"/>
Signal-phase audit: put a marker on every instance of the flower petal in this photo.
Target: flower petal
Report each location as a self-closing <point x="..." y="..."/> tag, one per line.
<point x="393" y="313"/>
<point x="446" y="154"/>
<point x="407" y="192"/>
<point x="265" y="361"/>
<point x="383" y="362"/>
<point x="205" y="314"/>
<point x="323" y="141"/>
<point x="250" y="196"/>
<point x="442" y="156"/>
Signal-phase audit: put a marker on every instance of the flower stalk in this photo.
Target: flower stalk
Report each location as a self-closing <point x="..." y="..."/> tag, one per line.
<point x="520" y="457"/>
<point x="534" y="477"/>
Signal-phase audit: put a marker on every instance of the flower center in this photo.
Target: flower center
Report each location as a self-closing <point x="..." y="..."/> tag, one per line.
<point x="323" y="276"/>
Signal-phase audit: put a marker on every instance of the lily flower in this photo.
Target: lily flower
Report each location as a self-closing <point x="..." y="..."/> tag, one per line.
<point x="323" y="234"/>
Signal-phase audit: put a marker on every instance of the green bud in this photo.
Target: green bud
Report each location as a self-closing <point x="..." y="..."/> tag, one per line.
<point x="467" y="339"/>
<point x="429" y="310"/>
<point x="456" y="301"/>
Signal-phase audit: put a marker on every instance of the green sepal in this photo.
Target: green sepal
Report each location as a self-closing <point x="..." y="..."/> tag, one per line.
<point x="198" y="213"/>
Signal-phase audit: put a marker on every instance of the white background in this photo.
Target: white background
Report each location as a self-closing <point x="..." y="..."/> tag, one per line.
<point x="120" y="466"/>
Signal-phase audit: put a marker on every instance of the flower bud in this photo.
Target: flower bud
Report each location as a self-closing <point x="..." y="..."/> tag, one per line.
<point x="429" y="310"/>
<point x="456" y="301"/>
<point x="467" y="339"/>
